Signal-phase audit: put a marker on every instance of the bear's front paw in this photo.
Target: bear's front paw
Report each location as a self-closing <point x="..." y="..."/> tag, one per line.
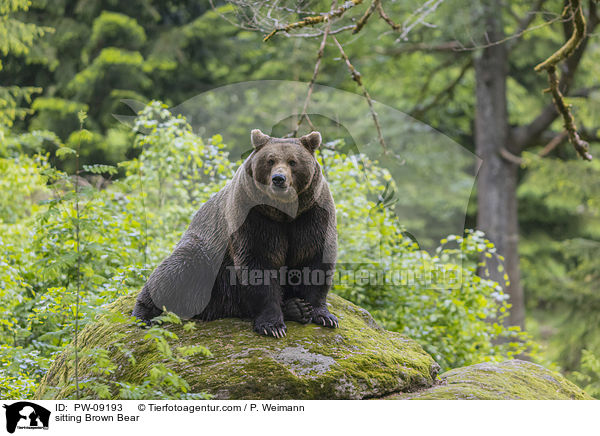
<point x="297" y="309"/>
<point x="273" y="328"/>
<point x="321" y="316"/>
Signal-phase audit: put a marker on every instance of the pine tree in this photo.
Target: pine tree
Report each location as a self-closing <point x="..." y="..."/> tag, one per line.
<point x="16" y="39"/>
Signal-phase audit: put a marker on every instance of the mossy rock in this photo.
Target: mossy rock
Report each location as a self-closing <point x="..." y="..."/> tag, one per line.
<point x="510" y="380"/>
<point x="357" y="360"/>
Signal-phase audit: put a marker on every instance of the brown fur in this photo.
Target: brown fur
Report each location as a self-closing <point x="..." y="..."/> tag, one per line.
<point x="276" y="212"/>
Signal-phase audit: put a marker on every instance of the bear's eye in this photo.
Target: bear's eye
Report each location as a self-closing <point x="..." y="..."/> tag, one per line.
<point x="292" y="163"/>
<point x="271" y="162"/>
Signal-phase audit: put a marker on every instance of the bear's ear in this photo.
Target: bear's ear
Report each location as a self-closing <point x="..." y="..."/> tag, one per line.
<point x="258" y="138"/>
<point x="312" y="141"/>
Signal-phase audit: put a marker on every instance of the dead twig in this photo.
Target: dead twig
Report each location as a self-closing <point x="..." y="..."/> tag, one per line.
<point x="387" y="19"/>
<point x="315" y="19"/>
<point x="313" y="79"/>
<point x="582" y="147"/>
<point x="416" y="18"/>
<point x="363" y="20"/>
<point x="419" y="110"/>
<point x="553" y="143"/>
<point x="507" y="155"/>
<point x="358" y="79"/>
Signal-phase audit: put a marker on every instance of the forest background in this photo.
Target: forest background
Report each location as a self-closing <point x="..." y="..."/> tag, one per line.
<point x="89" y="206"/>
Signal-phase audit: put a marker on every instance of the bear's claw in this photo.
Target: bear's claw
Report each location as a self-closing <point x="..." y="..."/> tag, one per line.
<point x="276" y="329"/>
<point x="325" y="319"/>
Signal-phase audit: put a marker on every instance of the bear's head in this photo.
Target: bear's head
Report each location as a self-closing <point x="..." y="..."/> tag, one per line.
<point x="284" y="168"/>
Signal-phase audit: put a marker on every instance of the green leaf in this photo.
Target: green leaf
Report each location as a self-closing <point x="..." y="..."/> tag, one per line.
<point x="81" y="115"/>
<point x="65" y="151"/>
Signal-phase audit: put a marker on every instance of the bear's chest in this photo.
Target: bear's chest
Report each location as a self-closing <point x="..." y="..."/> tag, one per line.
<point x="306" y="237"/>
<point x="293" y="243"/>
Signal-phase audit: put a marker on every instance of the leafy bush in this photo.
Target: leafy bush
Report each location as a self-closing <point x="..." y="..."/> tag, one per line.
<point x="160" y="383"/>
<point x="123" y="231"/>
<point x="589" y="376"/>
<point x="437" y="299"/>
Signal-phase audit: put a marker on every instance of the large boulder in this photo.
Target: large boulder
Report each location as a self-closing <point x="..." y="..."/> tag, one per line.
<point x="357" y="360"/>
<point x="511" y="380"/>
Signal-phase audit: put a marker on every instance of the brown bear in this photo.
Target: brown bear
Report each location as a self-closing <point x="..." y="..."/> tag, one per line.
<point x="264" y="247"/>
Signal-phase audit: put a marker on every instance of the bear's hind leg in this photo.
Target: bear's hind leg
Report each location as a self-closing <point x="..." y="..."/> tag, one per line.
<point x="144" y="308"/>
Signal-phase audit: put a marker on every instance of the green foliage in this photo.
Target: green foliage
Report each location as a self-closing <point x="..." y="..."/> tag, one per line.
<point x="16" y="39"/>
<point x="115" y="30"/>
<point x="160" y="382"/>
<point x="20" y="369"/>
<point x="560" y="251"/>
<point x="21" y="180"/>
<point x="141" y="50"/>
<point x="589" y="376"/>
<point x="11" y="98"/>
<point x="126" y="228"/>
<point x="438" y="299"/>
<point x="58" y="113"/>
<point x="112" y="65"/>
<point x="149" y="49"/>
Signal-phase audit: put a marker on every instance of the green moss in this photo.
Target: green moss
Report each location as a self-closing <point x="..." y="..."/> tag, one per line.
<point x="358" y="360"/>
<point x="511" y="380"/>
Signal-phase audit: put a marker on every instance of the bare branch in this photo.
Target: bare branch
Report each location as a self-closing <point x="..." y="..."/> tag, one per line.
<point x="363" y="20"/>
<point x="514" y="37"/>
<point x="419" y="110"/>
<point x="386" y="18"/>
<point x="571" y="45"/>
<point x="313" y="79"/>
<point x="557" y="139"/>
<point x="422" y="46"/>
<point x="549" y="65"/>
<point x="554" y="142"/>
<point x="527" y="136"/>
<point x="525" y="22"/>
<point x="315" y="19"/>
<point x="458" y="46"/>
<point x="416" y="18"/>
<point x="581" y="146"/>
<point x="357" y="78"/>
<point x="420" y="14"/>
<point x="319" y="32"/>
<point x="513" y="158"/>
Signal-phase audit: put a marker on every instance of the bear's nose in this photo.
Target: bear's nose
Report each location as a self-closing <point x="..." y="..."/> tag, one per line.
<point x="278" y="179"/>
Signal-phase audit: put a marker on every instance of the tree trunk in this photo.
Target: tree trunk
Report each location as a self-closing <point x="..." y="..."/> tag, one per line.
<point x="497" y="179"/>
